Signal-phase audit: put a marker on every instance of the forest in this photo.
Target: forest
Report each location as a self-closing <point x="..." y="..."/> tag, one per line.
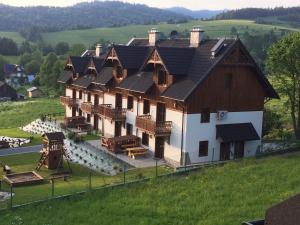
<point x="83" y="16"/>
<point x="290" y="15"/>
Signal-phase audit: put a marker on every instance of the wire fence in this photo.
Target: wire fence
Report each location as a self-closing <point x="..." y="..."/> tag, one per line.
<point x="81" y="181"/>
<point x="68" y="185"/>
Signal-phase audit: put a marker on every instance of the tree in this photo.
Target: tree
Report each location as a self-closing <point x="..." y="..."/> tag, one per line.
<point x="283" y="64"/>
<point x="32" y="67"/>
<point x="77" y="49"/>
<point x="46" y="69"/>
<point x="3" y="61"/>
<point x="61" y="48"/>
<point x="234" y="31"/>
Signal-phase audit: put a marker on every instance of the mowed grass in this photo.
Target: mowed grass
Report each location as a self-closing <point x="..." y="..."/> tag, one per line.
<point x="225" y="195"/>
<point x="17" y="114"/>
<point x="18" y="133"/>
<point x="216" y="28"/>
<point x="79" y="180"/>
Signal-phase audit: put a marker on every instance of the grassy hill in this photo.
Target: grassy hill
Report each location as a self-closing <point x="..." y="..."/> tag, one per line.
<point x="223" y="195"/>
<point x="123" y="34"/>
<point x="215" y="28"/>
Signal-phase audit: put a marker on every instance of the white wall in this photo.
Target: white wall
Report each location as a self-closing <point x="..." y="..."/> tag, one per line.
<point x="196" y="132"/>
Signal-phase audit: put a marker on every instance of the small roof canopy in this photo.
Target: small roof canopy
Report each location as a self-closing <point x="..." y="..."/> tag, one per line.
<point x="55" y="136"/>
<point x="237" y="132"/>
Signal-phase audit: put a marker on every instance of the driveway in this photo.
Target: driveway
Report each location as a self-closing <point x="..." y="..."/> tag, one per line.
<point x="20" y="150"/>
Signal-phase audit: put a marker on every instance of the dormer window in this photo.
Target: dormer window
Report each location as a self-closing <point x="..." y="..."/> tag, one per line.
<point x="162" y="77"/>
<point x="119" y="72"/>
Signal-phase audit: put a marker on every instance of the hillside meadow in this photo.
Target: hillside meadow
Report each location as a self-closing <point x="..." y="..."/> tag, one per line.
<point x="214" y="29"/>
<point x="219" y="195"/>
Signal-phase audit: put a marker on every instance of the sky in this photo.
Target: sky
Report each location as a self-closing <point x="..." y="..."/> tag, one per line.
<point x="191" y="4"/>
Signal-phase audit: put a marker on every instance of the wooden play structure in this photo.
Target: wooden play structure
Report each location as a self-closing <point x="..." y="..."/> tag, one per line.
<point x="53" y="151"/>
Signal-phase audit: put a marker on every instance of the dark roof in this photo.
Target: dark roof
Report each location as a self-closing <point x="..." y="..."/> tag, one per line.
<point x="237" y="132"/>
<point x="79" y="63"/>
<point x="98" y="62"/>
<point x="140" y="82"/>
<point x="55" y="136"/>
<point x="284" y="213"/>
<point x="7" y="91"/>
<point x="65" y="76"/>
<point x="11" y="68"/>
<point x="83" y="81"/>
<point x="132" y="57"/>
<point x="177" y="43"/>
<point x="177" y="60"/>
<point x="104" y="76"/>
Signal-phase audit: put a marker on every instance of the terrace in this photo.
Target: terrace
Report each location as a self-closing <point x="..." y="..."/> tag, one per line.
<point x="157" y="128"/>
<point x="87" y="107"/>
<point x="106" y="111"/>
<point x="68" y="101"/>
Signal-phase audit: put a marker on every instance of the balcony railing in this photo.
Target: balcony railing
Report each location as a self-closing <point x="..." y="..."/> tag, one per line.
<point x="157" y="128"/>
<point x="87" y="107"/>
<point x="106" y="111"/>
<point x="68" y="101"/>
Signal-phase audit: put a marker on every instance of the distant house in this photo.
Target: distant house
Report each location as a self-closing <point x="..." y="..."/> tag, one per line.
<point x="34" y="92"/>
<point x="14" y="75"/>
<point x="7" y="92"/>
<point x="284" y="213"/>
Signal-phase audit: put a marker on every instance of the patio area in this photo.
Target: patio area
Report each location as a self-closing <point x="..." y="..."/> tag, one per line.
<point x="140" y="162"/>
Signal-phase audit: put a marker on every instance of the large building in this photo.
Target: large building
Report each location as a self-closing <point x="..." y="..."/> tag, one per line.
<point x="190" y="100"/>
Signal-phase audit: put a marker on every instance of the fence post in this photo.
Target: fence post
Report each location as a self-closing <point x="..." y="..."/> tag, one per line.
<point x="52" y="190"/>
<point x="11" y="196"/>
<point x="156" y="172"/>
<point x="124" y="174"/>
<point x="90" y="181"/>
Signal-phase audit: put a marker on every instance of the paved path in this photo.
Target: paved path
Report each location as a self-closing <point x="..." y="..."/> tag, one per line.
<point x="20" y="150"/>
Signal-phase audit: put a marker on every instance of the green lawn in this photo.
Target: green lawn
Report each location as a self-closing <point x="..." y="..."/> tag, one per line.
<point x="225" y="195"/>
<point x="17" y="133"/>
<point x="17" y="114"/>
<point x="214" y="29"/>
<point x="78" y="182"/>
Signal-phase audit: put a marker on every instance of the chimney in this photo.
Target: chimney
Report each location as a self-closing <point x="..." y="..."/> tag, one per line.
<point x="153" y="36"/>
<point x="197" y="36"/>
<point x="98" y="50"/>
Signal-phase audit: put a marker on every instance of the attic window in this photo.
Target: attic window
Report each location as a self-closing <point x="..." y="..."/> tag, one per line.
<point x="119" y="72"/>
<point x="162" y="77"/>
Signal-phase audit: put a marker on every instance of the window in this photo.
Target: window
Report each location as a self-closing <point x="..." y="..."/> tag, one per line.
<point x="79" y="112"/>
<point x="162" y="77"/>
<point x="80" y="94"/>
<point x="203" y="148"/>
<point x="88" y="118"/>
<point x="130" y="102"/>
<point x="89" y="97"/>
<point x="146" y="109"/>
<point x="145" y="139"/>
<point x="205" y="116"/>
<point x="228" y="80"/>
<point x="119" y="72"/>
<point x="129" y="129"/>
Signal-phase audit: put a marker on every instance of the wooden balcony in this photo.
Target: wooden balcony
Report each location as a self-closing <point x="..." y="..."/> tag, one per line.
<point x="77" y="122"/>
<point x="106" y="111"/>
<point x="68" y="101"/>
<point x="157" y="128"/>
<point x="87" y="107"/>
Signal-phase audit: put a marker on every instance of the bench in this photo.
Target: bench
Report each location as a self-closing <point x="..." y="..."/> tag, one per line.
<point x="131" y="145"/>
<point x="60" y="176"/>
<point x="137" y="151"/>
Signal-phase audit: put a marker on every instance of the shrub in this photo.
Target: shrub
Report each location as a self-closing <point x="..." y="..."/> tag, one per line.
<point x="71" y="135"/>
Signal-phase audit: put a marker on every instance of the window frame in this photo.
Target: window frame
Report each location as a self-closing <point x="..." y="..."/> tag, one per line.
<point x="130" y="104"/>
<point x="203" y="149"/>
<point x="161" y="78"/>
